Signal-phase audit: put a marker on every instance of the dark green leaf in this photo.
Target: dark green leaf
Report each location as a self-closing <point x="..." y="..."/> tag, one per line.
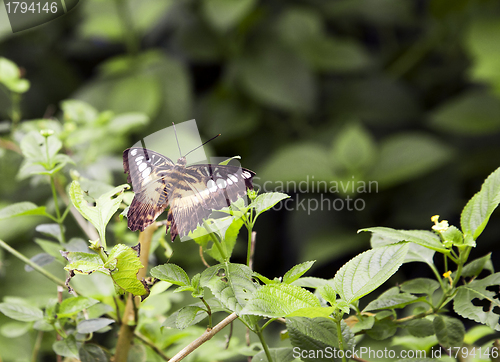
<point x="92" y="353"/>
<point x="224" y="14"/>
<point x="93" y="325"/>
<point x="277" y="354"/>
<point x="420" y="286"/>
<point x="392" y="302"/>
<point x="449" y="331"/>
<point x="475" y="267"/>
<point x="68" y="347"/>
<point x="420" y="327"/>
<point x="382" y="329"/>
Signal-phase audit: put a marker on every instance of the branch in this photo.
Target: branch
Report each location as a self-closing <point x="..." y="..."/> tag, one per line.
<point x="206" y="336"/>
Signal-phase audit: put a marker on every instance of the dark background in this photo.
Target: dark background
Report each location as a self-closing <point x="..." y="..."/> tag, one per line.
<point x="404" y="93"/>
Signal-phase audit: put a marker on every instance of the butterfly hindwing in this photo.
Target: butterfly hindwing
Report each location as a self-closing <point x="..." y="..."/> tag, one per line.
<point x="191" y="192"/>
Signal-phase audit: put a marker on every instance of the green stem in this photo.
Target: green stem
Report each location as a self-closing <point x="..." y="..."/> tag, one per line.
<point x="16" y="109"/>
<point x="58" y="212"/>
<point x="209" y="312"/>
<point x="438" y="277"/>
<point x="249" y="247"/>
<point x="215" y="240"/>
<point x="38" y="268"/>
<point x="263" y="342"/>
<point x="268" y="323"/>
<point x="36" y="348"/>
<point x="341" y="339"/>
<point x="127" y="24"/>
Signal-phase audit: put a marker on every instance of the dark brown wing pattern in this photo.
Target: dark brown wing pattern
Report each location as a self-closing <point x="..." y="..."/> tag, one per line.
<point x="191" y="192"/>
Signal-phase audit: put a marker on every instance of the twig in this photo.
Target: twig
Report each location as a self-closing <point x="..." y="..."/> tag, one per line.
<point x="202" y="258"/>
<point x="206" y="336"/>
<point x="247" y="339"/>
<point x="9" y="145"/>
<point x="149" y="343"/>
<point x="36" y="348"/>
<point x="228" y="339"/>
<point x="356" y="358"/>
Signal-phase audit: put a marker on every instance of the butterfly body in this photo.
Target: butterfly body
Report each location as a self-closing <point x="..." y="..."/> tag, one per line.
<point x="190" y="192"/>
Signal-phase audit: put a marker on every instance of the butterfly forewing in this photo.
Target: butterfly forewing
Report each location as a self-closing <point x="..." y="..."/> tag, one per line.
<point x="191" y="192"/>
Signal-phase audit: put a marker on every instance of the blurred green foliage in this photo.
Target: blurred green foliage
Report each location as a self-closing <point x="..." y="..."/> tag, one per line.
<point x="404" y="93"/>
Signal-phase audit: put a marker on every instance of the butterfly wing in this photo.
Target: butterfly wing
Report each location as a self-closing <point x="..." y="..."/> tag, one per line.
<point x="148" y="172"/>
<point x="201" y="189"/>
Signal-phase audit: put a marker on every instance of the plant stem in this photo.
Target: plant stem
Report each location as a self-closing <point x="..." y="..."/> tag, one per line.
<point x="153" y="346"/>
<point x="438" y="277"/>
<point x="56" y="204"/>
<point x="341" y="339"/>
<point x="127" y="24"/>
<point x="263" y="342"/>
<point x="38" y="268"/>
<point x="209" y="312"/>
<point x="216" y="241"/>
<point x="16" y="109"/>
<point x="36" y="347"/>
<point x="129" y="320"/>
<point x="207" y="335"/>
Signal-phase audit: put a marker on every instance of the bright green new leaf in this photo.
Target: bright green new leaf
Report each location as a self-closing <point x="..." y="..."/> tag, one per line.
<point x="312" y="312"/>
<point x="265" y="201"/>
<point x="171" y="273"/>
<point x="279" y="300"/>
<point x="477" y="290"/>
<point x="22" y="209"/>
<point x="99" y="215"/>
<point x="449" y="331"/>
<point x="23" y="313"/>
<point x="297" y="271"/>
<point x="124" y="264"/>
<point x="478" y="210"/>
<point x="367" y="271"/>
<point x="420" y="237"/>
<point x="74" y="305"/>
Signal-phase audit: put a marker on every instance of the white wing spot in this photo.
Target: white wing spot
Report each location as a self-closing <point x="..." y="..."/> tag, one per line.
<point x="221" y="183"/>
<point x="133" y="152"/>
<point x="142" y="167"/>
<point x="234" y="178"/>
<point x="246" y="174"/>
<point x="146" y="171"/>
<point x="229" y="182"/>
<point x="211" y="186"/>
<point x="139" y="159"/>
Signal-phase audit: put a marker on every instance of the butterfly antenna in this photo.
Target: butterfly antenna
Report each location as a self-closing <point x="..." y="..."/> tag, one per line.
<point x="203" y="144"/>
<point x="177" y="139"/>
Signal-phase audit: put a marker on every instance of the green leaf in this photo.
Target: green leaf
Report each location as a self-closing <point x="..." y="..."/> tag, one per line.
<point x="265" y="79"/>
<point x="38" y="148"/>
<point x="265" y="201"/>
<point x="124" y="270"/>
<point x="392" y="301"/>
<point x="297" y="271"/>
<point x="472" y="113"/>
<point x="420" y="286"/>
<point x="328" y="293"/>
<point x="127" y="122"/>
<point x="312" y="312"/>
<point x="475" y="267"/>
<point x="279" y="300"/>
<point x="284" y="354"/>
<point x="224" y="14"/>
<point x="10" y="76"/>
<point x="50" y="247"/>
<point x="52" y="230"/>
<point x="406" y="156"/>
<point x="93" y="325"/>
<point x="478" y="210"/>
<point x="420" y="327"/>
<point x="186" y="316"/>
<point x="449" y="331"/>
<point x="14" y="329"/>
<point x="231" y="284"/>
<point x="23" y="313"/>
<point x="83" y="263"/>
<point x="41" y="259"/>
<point x="171" y="273"/>
<point x="369" y="270"/>
<point x="68" y="347"/>
<point x="310" y="282"/>
<point x="22" y="209"/>
<point x="466" y="294"/>
<point x="382" y="329"/>
<point x="99" y="215"/>
<point x="420" y="237"/>
<point x="78" y="111"/>
<point x="89" y="352"/>
<point x="363" y="324"/>
<point x="72" y="306"/>
<point x="353" y="148"/>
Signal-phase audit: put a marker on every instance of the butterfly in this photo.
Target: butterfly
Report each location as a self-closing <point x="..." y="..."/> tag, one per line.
<point x="190" y="192"/>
